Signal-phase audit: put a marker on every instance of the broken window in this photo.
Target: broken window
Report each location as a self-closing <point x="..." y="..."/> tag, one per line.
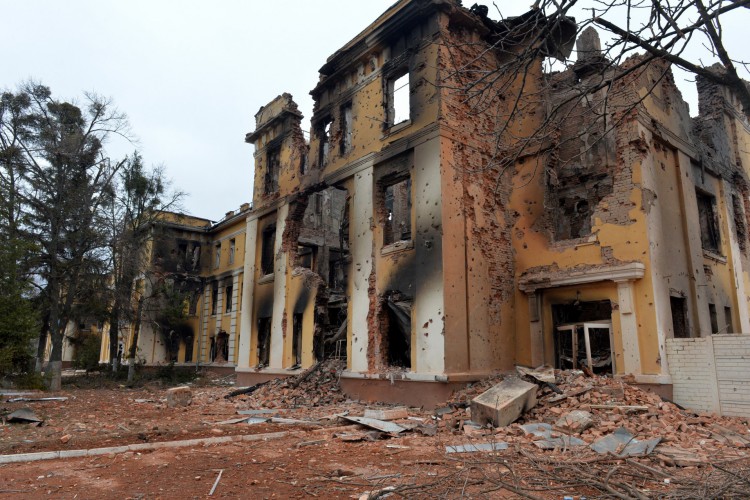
<point x="740" y="224"/>
<point x="267" y="250"/>
<point x="297" y="339"/>
<point x="710" y="237"/>
<point x="679" y="317"/>
<point x="273" y="167"/>
<point x="217" y="255"/>
<point x="188" y="349"/>
<point x="398" y="104"/>
<point x="573" y="217"/>
<point x="397" y="324"/>
<point x="214" y="298"/>
<point x="583" y="335"/>
<point x="231" y="250"/>
<point x="264" y="341"/>
<point x="306" y="256"/>
<point x="397" y="224"/>
<point x="228" y="298"/>
<point x="346" y="128"/>
<point x="714" y="318"/>
<point x="324" y="135"/>
<point x="728" y="327"/>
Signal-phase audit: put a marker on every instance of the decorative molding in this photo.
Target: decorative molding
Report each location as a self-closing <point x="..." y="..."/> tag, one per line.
<point x="532" y="282"/>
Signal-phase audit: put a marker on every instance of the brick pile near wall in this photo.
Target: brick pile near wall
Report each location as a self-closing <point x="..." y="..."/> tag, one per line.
<point x="712" y="373"/>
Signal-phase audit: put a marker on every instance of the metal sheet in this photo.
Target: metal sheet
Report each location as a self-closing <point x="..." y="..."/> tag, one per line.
<point x="379" y="425"/>
<point x="471" y="448"/>
<point x="622" y="443"/>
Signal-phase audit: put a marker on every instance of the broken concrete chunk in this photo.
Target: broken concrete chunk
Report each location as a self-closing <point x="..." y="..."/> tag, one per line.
<point x="179" y="396"/>
<point x="386" y="413"/>
<point x="622" y="443"/>
<point x="576" y="421"/>
<point x="542" y="374"/>
<point x="504" y="403"/>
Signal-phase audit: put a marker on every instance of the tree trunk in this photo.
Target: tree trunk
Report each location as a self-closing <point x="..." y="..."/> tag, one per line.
<point x="42" y="344"/>
<point x="134" y="344"/>
<point x="114" y="330"/>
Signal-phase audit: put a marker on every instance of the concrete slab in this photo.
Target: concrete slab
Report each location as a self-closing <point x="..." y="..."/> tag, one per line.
<point x="504" y="403"/>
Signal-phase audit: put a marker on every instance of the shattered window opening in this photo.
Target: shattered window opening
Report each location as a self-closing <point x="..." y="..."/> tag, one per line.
<point x="728" y="328"/>
<point x="397" y="323"/>
<point x="214" y="298"/>
<point x="398" y="207"/>
<point x="710" y="236"/>
<point x="228" y="298"/>
<point x="264" y="341"/>
<point x="297" y="339"/>
<point x="398" y="98"/>
<point x="231" y="250"/>
<point x="740" y="224"/>
<point x="267" y="247"/>
<point x="346" y="128"/>
<point x="306" y="256"/>
<point x="714" y="318"/>
<point x="324" y="134"/>
<point x="679" y="317"/>
<point x="273" y="167"/>
<point x="217" y="259"/>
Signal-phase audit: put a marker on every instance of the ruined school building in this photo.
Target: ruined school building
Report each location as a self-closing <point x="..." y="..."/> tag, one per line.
<point x="432" y="241"/>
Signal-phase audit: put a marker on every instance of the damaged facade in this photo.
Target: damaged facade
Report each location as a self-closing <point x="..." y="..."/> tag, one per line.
<point x="401" y="238"/>
<point x="191" y="287"/>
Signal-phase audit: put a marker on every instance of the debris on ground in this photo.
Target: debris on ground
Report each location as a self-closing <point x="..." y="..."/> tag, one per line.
<point x="504" y="403"/>
<point x="179" y="396"/>
<point x="23" y="416"/>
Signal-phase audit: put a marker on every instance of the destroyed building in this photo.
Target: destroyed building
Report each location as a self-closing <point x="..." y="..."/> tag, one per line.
<point x="191" y="283"/>
<point x="424" y="245"/>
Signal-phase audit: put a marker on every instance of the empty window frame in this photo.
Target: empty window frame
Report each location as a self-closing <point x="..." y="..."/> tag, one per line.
<point x="740" y="222"/>
<point x="709" y="223"/>
<point x="679" y="317"/>
<point x="714" y="318"/>
<point x="232" y="248"/>
<point x="267" y="250"/>
<point x="324" y="136"/>
<point x="264" y="341"/>
<point x="398" y="98"/>
<point x="346" y="128"/>
<point x="728" y="326"/>
<point x="297" y="339"/>
<point x="214" y="298"/>
<point x="273" y="167"/>
<point x="217" y="255"/>
<point x="306" y="256"/>
<point x="397" y="223"/>
<point x="228" y="298"/>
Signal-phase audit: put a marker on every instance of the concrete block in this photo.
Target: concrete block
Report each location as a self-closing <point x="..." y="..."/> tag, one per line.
<point x="576" y="421"/>
<point x="179" y="396"/>
<point x="386" y="413"/>
<point x="504" y="403"/>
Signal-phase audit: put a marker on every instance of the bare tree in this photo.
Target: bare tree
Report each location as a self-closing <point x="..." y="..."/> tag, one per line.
<point x="512" y="70"/>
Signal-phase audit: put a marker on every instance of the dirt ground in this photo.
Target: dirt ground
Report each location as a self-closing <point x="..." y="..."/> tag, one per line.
<point x="332" y="458"/>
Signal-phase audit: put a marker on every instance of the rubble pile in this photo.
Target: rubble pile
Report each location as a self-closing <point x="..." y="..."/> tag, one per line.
<point x="318" y="386"/>
<point x="590" y="408"/>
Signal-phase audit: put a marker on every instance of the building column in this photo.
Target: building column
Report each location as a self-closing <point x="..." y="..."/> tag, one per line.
<point x="279" y="291"/>
<point x="204" y="347"/>
<point x="233" y="318"/>
<point x="361" y="245"/>
<point x="246" y="318"/>
<point x="631" y="354"/>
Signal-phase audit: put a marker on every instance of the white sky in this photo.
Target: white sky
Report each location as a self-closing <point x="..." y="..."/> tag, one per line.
<point x="191" y="74"/>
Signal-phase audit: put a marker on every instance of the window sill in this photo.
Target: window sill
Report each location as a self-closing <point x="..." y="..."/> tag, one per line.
<point x="397" y="128"/>
<point x="399" y="246"/>
<point x="708" y="254"/>
<point x="267" y="278"/>
<point x="575" y="242"/>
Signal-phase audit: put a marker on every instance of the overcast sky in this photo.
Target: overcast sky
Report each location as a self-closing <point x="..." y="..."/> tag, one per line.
<point x="190" y="74"/>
